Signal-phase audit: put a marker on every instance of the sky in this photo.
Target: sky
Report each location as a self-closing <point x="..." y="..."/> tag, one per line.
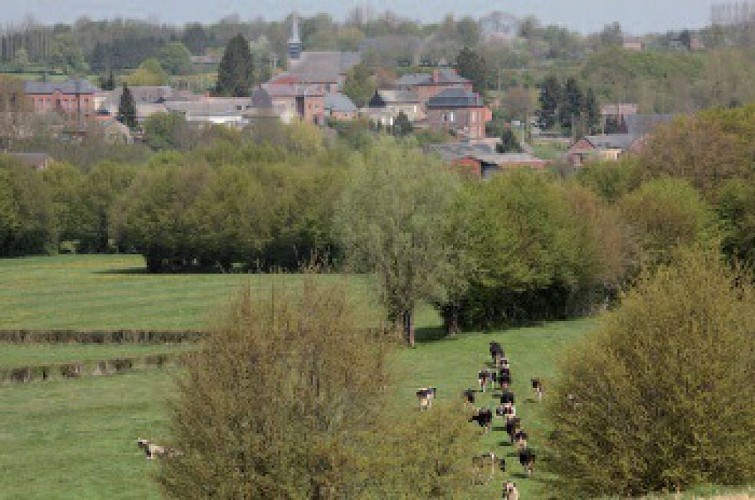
<point x="586" y="16"/>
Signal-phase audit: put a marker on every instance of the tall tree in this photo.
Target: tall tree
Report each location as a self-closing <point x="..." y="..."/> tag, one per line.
<point x="236" y="70"/>
<point x="571" y="105"/>
<point x="590" y="111"/>
<point x="391" y="221"/>
<point x="402" y="126"/>
<point x="127" y="108"/>
<point x="550" y="97"/>
<point x="473" y="67"/>
<point x="509" y="143"/>
<point x="359" y="85"/>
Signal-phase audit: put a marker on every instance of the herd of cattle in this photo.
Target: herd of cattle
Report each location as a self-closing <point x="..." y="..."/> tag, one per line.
<point x="499" y="377"/>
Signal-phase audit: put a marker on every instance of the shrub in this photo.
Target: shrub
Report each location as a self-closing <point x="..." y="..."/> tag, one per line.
<point x="660" y="398"/>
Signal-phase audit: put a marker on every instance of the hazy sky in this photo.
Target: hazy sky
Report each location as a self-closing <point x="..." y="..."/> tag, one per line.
<point x="635" y="16"/>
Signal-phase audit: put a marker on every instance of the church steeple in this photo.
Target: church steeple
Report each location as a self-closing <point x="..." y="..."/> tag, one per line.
<point x="294" y="42"/>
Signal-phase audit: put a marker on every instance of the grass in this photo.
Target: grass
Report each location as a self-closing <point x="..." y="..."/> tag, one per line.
<point x="17" y="355"/>
<point x="114" y="291"/>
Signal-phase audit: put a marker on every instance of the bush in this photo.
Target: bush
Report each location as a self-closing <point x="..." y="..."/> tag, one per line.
<point x="660" y="398"/>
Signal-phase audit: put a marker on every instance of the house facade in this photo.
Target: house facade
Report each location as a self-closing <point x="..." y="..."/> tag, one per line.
<point x="458" y="111"/>
<point x="73" y="97"/>
<point x="428" y="85"/>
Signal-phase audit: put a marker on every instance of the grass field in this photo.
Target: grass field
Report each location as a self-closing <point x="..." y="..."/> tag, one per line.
<point x="114" y="291"/>
<point x="77" y="438"/>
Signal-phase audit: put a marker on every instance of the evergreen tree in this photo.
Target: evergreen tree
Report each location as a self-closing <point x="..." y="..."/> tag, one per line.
<point x="472" y="66"/>
<point x="571" y="105"/>
<point x="127" y="108"/>
<point x="508" y="143"/>
<point x="550" y="96"/>
<point x="236" y="70"/>
<point x="402" y="126"/>
<point x="591" y="112"/>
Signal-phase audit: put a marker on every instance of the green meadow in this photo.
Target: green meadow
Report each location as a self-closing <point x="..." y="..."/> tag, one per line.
<point x="76" y="438"/>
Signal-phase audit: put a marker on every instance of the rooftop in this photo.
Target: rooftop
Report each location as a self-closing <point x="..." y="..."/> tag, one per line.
<point x="445" y="76"/>
<point x="68" y="87"/>
<point x="455" y="98"/>
<point x="339" y="103"/>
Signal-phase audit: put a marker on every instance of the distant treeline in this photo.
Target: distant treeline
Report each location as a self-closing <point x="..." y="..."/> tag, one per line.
<point x="272" y="198"/>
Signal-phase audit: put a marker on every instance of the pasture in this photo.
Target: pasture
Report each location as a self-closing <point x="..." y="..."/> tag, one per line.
<point x="76" y="438"/>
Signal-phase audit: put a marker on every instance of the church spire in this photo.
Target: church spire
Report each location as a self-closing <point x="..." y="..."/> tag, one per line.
<point x="294" y="42"/>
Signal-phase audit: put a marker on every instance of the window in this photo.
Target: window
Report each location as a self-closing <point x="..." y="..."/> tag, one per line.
<point x="451" y="116"/>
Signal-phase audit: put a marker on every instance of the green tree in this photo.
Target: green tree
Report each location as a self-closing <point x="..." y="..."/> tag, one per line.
<point x="236" y="70"/>
<point x="127" y="108"/>
<point x="391" y="221"/>
<point x="175" y="58"/>
<point x="736" y="211"/>
<point x="571" y="106"/>
<point x="550" y="97"/>
<point x="360" y="85"/>
<point x="659" y="398"/>
<point x="590" y="112"/>
<point x="509" y="142"/>
<point x="150" y="72"/>
<point x="168" y="131"/>
<point x="277" y="401"/>
<point x="473" y="67"/>
<point x="402" y="126"/>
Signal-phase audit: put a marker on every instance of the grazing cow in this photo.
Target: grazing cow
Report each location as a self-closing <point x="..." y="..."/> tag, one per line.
<point x="152" y="450"/>
<point x="537" y="386"/>
<point x="496" y="352"/>
<point x="512" y="425"/>
<point x="507" y="398"/>
<point x="503" y="363"/>
<point x="510" y="491"/>
<point x="483" y="417"/>
<point x="504" y="380"/>
<point x="484" y="377"/>
<point x="425" y="395"/>
<point x="520" y="439"/>
<point x="469" y="397"/>
<point x="527" y="459"/>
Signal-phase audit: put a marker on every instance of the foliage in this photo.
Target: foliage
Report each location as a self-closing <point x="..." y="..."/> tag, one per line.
<point x="666" y="214"/>
<point x="611" y="180"/>
<point x="706" y="149"/>
<point x="149" y="72"/>
<point x="659" y="398"/>
<point x="168" y="131"/>
<point x="175" y="58"/>
<point x="472" y="66"/>
<point x="736" y="211"/>
<point x="127" y="108"/>
<point x="390" y="221"/>
<point x="360" y="85"/>
<point x="272" y="405"/>
<point x="402" y="126"/>
<point x="509" y="142"/>
<point x="26" y="211"/>
<point x="550" y="97"/>
<point x="236" y="70"/>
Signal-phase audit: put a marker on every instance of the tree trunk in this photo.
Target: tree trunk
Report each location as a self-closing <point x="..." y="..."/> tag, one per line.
<point x="409" y="327"/>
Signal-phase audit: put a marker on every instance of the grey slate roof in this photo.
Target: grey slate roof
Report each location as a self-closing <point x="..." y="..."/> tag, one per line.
<point x="68" y="87"/>
<point x="445" y="76"/>
<point x="325" y="66"/>
<point x="339" y="103"/>
<point x="383" y="98"/>
<point x="611" y="141"/>
<point x="455" y="150"/>
<point x="455" y="98"/>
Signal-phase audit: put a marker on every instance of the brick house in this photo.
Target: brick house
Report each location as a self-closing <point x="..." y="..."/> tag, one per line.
<point x="302" y="102"/>
<point x="74" y="97"/>
<point x="459" y="111"/>
<point x="427" y="85"/>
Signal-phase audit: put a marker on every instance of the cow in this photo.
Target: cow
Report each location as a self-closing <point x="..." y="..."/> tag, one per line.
<point x="496" y="352"/>
<point x="537" y="386"/>
<point x="510" y="491"/>
<point x="520" y="439"/>
<point x="483" y="417"/>
<point x="503" y="363"/>
<point x="484" y="377"/>
<point x="469" y="397"/>
<point x="527" y="459"/>
<point x="513" y="424"/>
<point x="507" y="397"/>
<point x="152" y="450"/>
<point x="425" y="396"/>
<point x="504" y="381"/>
<point x="485" y="461"/>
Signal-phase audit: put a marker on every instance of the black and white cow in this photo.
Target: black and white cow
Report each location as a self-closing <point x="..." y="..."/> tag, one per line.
<point x="527" y="460"/>
<point x="520" y="439"/>
<point x="513" y="424"/>
<point x="537" y="386"/>
<point x="469" y="397"/>
<point x="483" y="417"/>
<point x="510" y="491"/>
<point x="485" y="378"/>
<point x="507" y="398"/>
<point x="496" y="352"/>
<point x="425" y="396"/>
